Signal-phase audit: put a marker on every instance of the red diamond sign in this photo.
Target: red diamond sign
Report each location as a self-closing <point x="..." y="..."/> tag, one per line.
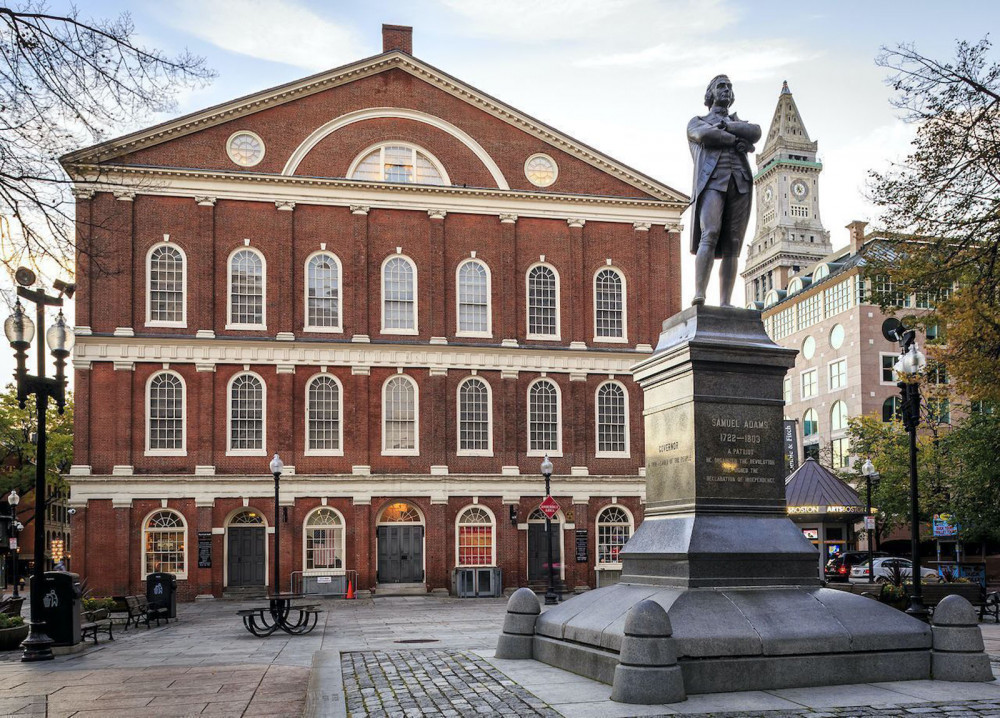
<point x="549" y="506"/>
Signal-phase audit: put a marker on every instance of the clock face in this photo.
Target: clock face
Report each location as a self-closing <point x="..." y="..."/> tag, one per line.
<point x="800" y="190"/>
<point x="245" y="149"/>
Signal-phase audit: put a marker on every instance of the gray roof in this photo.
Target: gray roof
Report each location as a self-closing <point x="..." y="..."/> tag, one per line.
<point x="814" y="485"/>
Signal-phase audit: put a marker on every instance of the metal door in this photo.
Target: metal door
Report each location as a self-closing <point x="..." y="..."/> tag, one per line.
<point x="246" y="556"/>
<point x="538" y="558"/>
<point x="400" y="554"/>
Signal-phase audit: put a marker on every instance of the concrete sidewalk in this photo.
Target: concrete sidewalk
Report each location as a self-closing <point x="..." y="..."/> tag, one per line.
<point x="406" y="656"/>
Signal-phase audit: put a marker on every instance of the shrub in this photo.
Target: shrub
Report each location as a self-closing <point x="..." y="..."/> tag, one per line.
<point x="10" y="621"/>
<point x="93" y="604"/>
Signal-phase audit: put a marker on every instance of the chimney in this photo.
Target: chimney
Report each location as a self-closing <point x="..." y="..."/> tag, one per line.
<point x="857" y="230"/>
<point x="397" y="37"/>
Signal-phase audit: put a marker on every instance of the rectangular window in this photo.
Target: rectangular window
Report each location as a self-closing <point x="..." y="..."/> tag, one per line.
<point x="769" y="216"/>
<point x="798" y="210"/>
<point x="787" y="390"/>
<point x="611" y="539"/>
<point x="885" y="287"/>
<point x="939" y="410"/>
<point x="811" y="451"/>
<point x="838" y="374"/>
<point x="937" y="374"/>
<point x="838" y="297"/>
<point x="475" y="545"/>
<point x="809" y="310"/>
<point x="841" y="453"/>
<point x="808" y="383"/>
<point x="888" y="362"/>
<point x="783" y="323"/>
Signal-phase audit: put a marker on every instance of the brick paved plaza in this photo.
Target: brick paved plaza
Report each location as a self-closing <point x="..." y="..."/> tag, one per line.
<point x="411" y="656"/>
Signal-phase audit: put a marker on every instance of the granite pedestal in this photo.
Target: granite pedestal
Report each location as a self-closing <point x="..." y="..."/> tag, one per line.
<point x="716" y="548"/>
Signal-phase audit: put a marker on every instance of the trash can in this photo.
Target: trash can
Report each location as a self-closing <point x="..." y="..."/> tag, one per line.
<point x="161" y="592"/>
<point x="61" y="602"/>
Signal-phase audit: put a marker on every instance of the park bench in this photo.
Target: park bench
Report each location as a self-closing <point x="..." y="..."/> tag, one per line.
<point x="95" y="622"/>
<point x="869" y="590"/>
<point x="11" y="606"/>
<point x="934" y="593"/>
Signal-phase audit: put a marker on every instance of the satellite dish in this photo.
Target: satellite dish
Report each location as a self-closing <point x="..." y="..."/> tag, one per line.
<point x="24" y="276"/>
<point x="892" y="329"/>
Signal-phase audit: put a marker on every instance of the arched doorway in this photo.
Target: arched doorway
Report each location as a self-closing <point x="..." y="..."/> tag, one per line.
<point x="246" y="550"/>
<point x="400" y="539"/>
<point x="538" y="556"/>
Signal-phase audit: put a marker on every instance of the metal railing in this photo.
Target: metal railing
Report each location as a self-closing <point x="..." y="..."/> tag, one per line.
<point x="336" y="585"/>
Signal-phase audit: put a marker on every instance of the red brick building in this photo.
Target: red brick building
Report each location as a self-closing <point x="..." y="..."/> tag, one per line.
<point x="409" y="290"/>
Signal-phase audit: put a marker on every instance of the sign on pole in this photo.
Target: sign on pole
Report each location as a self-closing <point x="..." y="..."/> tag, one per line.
<point x="869" y="523"/>
<point x="549" y="506"/>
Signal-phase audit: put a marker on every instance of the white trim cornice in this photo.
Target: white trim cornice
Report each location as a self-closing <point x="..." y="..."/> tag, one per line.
<point x="126" y="352"/>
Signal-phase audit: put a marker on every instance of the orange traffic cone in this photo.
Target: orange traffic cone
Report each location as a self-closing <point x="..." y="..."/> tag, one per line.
<point x="350" y="590"/>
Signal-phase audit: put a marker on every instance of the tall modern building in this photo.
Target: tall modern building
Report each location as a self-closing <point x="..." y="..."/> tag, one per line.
<point x="411" y="291"/>
<point x="789" y="235"/>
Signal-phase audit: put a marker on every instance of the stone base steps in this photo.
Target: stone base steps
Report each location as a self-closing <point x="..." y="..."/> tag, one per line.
<point x="400" y="589"/>
<point x="244" y="593"/>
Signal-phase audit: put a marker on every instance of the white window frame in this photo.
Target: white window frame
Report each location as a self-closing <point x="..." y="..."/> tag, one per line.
<point x="895" y="358"/>
<point x="339" y="328"/>
<point x="230" y="324"/>
<point x="527" y="305"/>
<point x="786" y="390"/>
<point x="458" y="301"/>
<point x="829" y="374"/>
<point x="342" y="554"/>
<point x="558" y="452"/>
<point x="834" y="429"/>
<point x="804" y="420"/>
<point x="149" y="386"/>
<point x="493" y="536"/>
<point x="230" y="451"/>
<point x="814" y="383"/>
<point x="597" y="424"/>
<point x="623" y="339"/>
<point x="608" y="565"/>
<point x="445" y="180"/>
<point x="416" y="296"/>
<point x="181" y="575"/>
<point x="309" y="451"/>
<point x="458" y="418"/>
<point x="415" y="451"/>
<point x="150" y="322"/>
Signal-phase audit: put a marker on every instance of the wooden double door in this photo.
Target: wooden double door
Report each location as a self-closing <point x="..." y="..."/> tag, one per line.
<point x="246" y="560"/>
<point x="400" y="554"/>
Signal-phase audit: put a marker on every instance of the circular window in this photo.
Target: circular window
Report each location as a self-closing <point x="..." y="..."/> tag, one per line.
<point x="541" y="170"/>
<point x="808" y="347"/>
<point x="245" y="148"/>
<point x="837" y="336"/>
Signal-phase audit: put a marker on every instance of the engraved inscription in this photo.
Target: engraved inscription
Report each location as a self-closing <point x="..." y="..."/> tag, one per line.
<point x="737" y="458"/>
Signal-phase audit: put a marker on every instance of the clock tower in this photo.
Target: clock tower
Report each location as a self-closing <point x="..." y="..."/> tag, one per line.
<point x="789" y="234"/>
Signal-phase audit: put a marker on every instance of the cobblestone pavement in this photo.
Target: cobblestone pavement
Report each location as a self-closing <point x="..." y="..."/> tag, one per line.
<point x="432" y="683"/>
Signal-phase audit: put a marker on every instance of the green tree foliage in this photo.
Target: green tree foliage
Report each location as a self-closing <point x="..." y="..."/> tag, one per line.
<point x="975" y="484"/>
<point x="66" y="82"/>
<point x="940" y="207"/>
<point x="17" y="452"/>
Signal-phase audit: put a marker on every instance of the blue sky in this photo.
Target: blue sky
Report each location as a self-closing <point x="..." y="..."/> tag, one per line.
<point x="623" y="76"/>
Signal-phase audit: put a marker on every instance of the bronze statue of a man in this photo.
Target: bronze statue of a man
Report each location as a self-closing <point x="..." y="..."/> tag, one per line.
<point x="723" y="187"/>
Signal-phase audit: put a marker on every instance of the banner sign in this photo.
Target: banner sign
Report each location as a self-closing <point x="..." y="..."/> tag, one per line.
<point x="944" y="525"/>
<point x="790" y="440"/>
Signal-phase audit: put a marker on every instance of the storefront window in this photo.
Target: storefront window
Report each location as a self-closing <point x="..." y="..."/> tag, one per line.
<point x="324" y="536"/>
<point x="164" y="543"/>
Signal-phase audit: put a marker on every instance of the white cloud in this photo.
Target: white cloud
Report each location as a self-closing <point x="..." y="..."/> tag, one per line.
<point x="277" y="30"/>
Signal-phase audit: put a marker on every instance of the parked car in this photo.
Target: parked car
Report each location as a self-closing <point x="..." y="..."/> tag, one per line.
<point x="884" y="568"/>
<point x="839" y="567"/>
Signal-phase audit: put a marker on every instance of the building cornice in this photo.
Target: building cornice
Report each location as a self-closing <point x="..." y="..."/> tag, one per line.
<point x="778" y="162"/>
<point x="98" y="348"/>
<point x="273" y="188"/>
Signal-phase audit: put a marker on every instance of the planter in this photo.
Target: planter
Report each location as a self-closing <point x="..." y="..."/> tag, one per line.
<point x="10" y="638"/>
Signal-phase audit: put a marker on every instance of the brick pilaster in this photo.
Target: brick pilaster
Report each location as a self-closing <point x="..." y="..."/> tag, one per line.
<point x="201" y="293"/>
<point x="640" y="332"/>
<point x="284" y="271"/>
<point x="360" y="454"/>
<point x="571" y="287"/>
<point x="510" y="284"/>
<point x="438" y="306"/>
<point x="360" y="299"/>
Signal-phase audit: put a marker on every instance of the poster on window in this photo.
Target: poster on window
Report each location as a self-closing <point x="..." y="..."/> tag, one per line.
<point x="204" y="549"/>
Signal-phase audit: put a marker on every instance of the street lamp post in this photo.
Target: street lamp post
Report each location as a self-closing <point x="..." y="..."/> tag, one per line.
<point x="868" y="469"/>
<point x="276" y="466"/>
<point x="15" y="529"/>
<point x="20" y="330"/>
<point x="551" y="599"/>
<point x="908" y="368"/>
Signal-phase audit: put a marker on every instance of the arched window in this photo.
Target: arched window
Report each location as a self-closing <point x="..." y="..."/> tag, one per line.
<point x="543" y="302"/>
<point x="544" y="420"/>
<point x="474" y="310"/>
<point x="399" y="296"/>
<point x="165" y="431"/>
<point x="892" y="409"/>
<point x="323" y="293"/>
<point x="614" y="528"/>
<point x="474" y="537"/>
<point x="810" y="423"/>
<point x="324" y="542"/>
<point x="612" y="420"/>
<point x="246" y="415"/>
<point x="164" y="542"/>
<point x="324" y="408"/>
<point x="475" y="418"/>
<point x="246" y="290"/>
<point x="609" y="305"/>
<point x="165" y="287"/>
<point x="838" y="416"/>
<point x="398" y="162"/>
<point x="400" y="417"/>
